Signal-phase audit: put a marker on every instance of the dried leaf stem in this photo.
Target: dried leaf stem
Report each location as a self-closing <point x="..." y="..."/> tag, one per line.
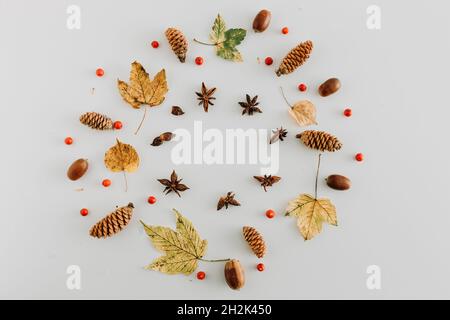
<point x="285" y="99"/>
<point x="142" y="121"/>
<point x="208" y="44"/>
<point x="218" y="260"/>
<point x="317" y="176"/>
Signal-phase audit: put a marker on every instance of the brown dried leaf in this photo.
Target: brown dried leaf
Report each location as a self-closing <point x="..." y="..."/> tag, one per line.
<point x="141" y="89"/>
<point x="304" y="113"/>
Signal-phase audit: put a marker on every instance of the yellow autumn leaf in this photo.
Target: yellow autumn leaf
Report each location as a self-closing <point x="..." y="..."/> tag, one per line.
<point x="304" y="113"/>
<point x="122" y="157"/>
<point x="141" y="90"/>
<point x="311" y="213"/>
<point x="183" y="247"/>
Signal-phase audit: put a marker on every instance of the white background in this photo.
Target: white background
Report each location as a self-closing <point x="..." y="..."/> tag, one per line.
<point x="395" y="216"/>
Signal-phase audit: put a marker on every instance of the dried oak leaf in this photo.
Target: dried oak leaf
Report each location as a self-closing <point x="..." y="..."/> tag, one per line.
<point x="311" y="213"/>
<point x="141" y="90"/>
<point x="304" y="113"/>
<point x="122" y="157"/>
<point x="183" y="247"/>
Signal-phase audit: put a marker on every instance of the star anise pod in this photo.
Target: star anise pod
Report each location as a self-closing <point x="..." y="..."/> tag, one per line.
<point x="267" y="180"/>
<point x="278" y="134"/>
<point x="250" y="106"/>
<point x="173" y="184"/>
<point x="205" y="97"/>
<point x="227" y="200"/>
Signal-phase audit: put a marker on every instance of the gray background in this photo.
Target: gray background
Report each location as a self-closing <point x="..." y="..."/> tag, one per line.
<point x="395" y="216"/>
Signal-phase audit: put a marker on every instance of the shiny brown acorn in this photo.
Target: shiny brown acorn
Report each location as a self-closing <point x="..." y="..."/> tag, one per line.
<point x="234" y="274"/>
<point x="77" y="169"/>
<point x="329" y="87"/>
<point x="338" y="182"/>
<point x="262" y="21"/>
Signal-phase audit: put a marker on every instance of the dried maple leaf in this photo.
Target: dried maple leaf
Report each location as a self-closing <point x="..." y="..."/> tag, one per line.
<point x="227" y="200"/>
<point x="205" y="97"/>
<point x="122" y="157"/>
<point x="142" y="90"/>
<point x="183" y="247"/>
<point x="250" y="106"/>
<point x="311" y="213"/>
<point x="173" y="184"/>
<point x="267" y="180"/>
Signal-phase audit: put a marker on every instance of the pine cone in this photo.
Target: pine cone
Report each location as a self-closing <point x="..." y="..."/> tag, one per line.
<point x="295" y="58"/>
<point x="319" y="140"/>
<point x="178" y="42"/>
<point x="96" y="121"/>
<point x="255" y="240"/>
<point x="113" y="222"/>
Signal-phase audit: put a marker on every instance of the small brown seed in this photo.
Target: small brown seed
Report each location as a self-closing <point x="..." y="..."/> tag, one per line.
<point x="262" y="21"/>
<point x="177" y="111"/>
<point x="234" y="274"/>
<point x="338" y="182"/>
<point x="329" y="87"/>
<point x="156" y="142"/>
<point x="166" y="136"/>
<point x="77" y="169"/>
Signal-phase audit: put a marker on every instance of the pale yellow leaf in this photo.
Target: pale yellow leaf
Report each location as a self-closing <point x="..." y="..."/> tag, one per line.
<point x="304" y="113"/>
<point x="174" y="263"/>
<point x="186" y="229"/>
<point x="182" y="247"/>
<point x="311" y="213"/>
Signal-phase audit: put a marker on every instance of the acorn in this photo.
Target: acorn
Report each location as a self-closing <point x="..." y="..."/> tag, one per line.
<point x="234" y="274"/>
<point x="77" y="169"/>
<point x="338" y="182"/>
<point x="262" y="21"/>
<point x="329" y="87"/>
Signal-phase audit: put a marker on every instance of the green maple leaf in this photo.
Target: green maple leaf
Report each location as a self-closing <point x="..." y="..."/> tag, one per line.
<point x="226" y="41"/>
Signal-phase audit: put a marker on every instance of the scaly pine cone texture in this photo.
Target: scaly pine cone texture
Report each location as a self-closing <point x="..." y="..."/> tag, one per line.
<point x="177" y="42"/>
<point x="319" y="140"/>
<point x="295" y="58"/>
<point x="96" y="121"/>
<point x="255" y="240"/>
<point x="113" y="222"/>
